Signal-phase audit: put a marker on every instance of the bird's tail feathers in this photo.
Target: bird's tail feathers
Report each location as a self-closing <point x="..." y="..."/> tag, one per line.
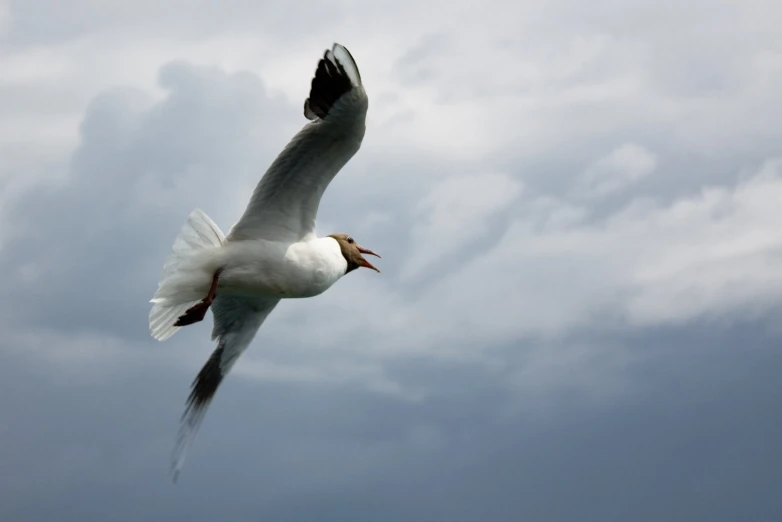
<point x="186" y="274"/>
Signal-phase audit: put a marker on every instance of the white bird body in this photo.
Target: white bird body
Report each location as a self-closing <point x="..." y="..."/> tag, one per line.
<point x="272" y="252"/>
<point x="259" y="268"/>
<point x="262" y="268"/>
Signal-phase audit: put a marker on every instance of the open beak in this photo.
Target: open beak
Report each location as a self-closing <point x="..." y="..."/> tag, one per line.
<point x="366" y="263"/>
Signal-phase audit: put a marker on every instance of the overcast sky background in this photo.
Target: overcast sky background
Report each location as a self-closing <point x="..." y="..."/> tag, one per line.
<point x="578" y="206"/>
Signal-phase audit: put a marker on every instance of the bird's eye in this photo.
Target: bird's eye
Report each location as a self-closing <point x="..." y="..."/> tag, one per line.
<point x="350" y="240"/>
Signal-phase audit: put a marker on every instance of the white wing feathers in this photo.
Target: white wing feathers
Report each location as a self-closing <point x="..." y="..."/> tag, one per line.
<point x="285" y="202"/>
<point x="236" y="321"/>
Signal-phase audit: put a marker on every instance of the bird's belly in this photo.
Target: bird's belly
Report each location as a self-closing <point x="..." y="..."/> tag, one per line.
<point x="276" y="276"/>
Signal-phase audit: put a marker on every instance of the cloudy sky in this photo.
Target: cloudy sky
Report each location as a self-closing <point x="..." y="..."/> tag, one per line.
<point x="578" y="206"/>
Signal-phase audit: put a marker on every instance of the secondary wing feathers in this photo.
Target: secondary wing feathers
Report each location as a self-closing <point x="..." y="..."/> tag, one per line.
<point x="236" y="321"/>
<point x="285" y="202"/>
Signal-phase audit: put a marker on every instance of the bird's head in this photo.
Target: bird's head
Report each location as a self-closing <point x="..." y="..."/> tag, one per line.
<point x="352" y="252"/>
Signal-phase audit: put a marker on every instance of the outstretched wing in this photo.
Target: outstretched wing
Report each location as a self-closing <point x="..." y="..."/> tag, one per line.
<point x="236" y="321"/>
<point x="285" y="202"/>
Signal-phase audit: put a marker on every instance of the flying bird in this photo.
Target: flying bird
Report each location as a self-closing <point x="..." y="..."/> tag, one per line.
<point x="272" y="252"/>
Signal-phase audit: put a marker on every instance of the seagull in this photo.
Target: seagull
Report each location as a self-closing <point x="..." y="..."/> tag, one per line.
<point x="272" y="252"/>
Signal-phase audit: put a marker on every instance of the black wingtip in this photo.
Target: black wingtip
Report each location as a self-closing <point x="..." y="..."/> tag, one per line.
<point x="331" y="81"/>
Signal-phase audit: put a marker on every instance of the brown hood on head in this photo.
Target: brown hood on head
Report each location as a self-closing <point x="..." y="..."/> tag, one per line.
<point x="352" y="253"/>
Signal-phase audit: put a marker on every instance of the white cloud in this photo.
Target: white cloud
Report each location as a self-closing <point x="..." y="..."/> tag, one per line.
<point x="712" y="253"/>
<point x="623" y="167"/>
<point x="716" y="253"/>
<point x="454" y="214"/>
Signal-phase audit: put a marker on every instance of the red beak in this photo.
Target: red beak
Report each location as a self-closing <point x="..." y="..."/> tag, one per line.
<point x="366" y="263"/>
